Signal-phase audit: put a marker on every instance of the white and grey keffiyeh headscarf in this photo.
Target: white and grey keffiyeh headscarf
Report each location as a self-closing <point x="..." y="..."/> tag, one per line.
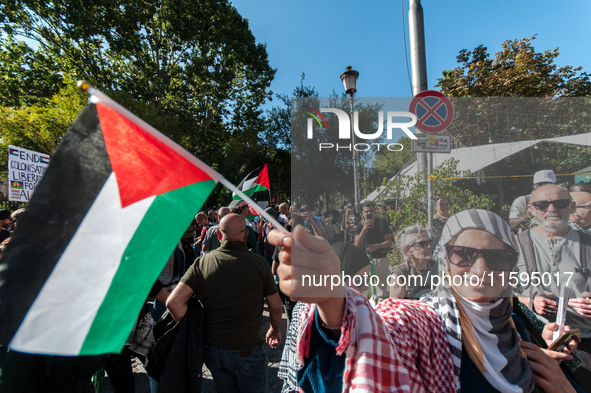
<point x="504" y="367"/>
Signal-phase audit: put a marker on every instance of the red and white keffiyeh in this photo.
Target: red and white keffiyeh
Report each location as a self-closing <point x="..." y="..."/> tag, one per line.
<point x="421" y="343"/>
<point x="381" y="357"/>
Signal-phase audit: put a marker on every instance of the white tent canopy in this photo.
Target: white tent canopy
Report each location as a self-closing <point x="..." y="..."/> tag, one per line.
<point x="476" y="158"/>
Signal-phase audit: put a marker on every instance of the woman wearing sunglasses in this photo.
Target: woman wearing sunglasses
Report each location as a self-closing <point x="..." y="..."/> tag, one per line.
<point x="475" y="254"/>
<point x="402" y="345"/>
<point x="414" y="244"/>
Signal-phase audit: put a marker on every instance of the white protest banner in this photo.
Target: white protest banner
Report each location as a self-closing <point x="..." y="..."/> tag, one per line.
<point x="25" y="169"/>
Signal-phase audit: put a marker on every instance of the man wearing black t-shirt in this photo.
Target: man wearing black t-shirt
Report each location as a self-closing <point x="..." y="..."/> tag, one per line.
<point x="374" y="236"/>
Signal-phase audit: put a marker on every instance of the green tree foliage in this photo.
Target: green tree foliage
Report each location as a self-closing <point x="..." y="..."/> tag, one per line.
<point x="516" y="71"/>
<point x="519" y="94"/>
<point x="406" y="194"/>
<point x="194" y="64"/>
<point x="27" y="77"/>
<point x="324" y="175"/>
<point x="265" y="141"/>
<point x="39" y="128"/>
<point x="278" y="128"/>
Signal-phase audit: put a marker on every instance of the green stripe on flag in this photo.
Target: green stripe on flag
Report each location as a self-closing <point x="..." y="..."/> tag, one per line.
<point x="146" y="254"/>
<point x="254" y="189"/>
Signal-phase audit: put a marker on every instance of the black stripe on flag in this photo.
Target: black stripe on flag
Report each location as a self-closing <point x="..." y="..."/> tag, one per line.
<point x="71" y="183"/>
<point x="251" y="175"/>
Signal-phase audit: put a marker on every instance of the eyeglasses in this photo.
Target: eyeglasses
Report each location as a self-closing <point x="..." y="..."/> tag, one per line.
<point x="578" y="207"/>
<point x="422" y="244"/>
<point x="558" y="204"/>
<point x="503" y="260"/>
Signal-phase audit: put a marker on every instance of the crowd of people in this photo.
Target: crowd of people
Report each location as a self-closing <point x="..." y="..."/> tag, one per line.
<point x="461" y="335"/>
<point x="484" y="325"/>
<point x="490" y="334"/>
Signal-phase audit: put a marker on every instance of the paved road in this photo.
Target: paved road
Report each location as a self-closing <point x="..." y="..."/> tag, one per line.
<point x="142" y="384"/>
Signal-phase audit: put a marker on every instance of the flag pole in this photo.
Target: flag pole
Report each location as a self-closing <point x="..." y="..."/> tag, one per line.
<point x="254" y="205"/>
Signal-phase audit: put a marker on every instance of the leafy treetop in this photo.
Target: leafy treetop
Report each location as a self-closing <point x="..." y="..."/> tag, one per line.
<point x="516" y="71"/>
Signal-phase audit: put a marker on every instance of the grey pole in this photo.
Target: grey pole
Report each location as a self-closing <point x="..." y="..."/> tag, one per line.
<point x="418" y="61"/>
<point x="355" y="163"/>
<point x="349" y="79"/>
<point x="430" y="191"/>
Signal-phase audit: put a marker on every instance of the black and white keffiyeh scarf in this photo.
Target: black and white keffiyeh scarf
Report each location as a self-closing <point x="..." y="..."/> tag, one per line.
<point x="488" y="328"/>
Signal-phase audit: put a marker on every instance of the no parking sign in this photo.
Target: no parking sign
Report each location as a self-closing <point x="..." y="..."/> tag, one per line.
<point x="433" y="109"/>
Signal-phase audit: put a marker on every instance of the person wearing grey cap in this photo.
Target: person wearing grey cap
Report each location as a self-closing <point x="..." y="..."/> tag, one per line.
<point x="520" y="217"/>
<point x="5" y="223"/>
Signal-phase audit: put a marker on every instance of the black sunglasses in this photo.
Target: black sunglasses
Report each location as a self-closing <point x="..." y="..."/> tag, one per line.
<point x="558" y="204"/>
<point x="578" y="207"/>
<point x="421" y="244"/>
<point x="503" y="260"/>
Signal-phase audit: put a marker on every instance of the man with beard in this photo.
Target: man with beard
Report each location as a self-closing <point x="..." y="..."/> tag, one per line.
<point x="551" y="250"/>
<point x="520" y="216"/>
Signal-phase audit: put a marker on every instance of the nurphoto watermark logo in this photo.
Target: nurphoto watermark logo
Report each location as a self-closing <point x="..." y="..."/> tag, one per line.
<point x="344" y="129"/>
<point x="429" y="111"/>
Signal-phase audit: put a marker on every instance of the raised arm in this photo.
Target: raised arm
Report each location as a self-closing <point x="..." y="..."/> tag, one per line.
<point x="302" y="257"/>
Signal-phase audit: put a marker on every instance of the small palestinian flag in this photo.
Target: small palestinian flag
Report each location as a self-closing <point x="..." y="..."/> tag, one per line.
<point x="44" y="159"/>
<point x="13" y="152"/>
<point x="111" y="207"/>
<point x="257" y="180"/>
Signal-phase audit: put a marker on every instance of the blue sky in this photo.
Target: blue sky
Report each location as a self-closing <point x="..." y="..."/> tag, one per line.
<point x="321" y="38"/>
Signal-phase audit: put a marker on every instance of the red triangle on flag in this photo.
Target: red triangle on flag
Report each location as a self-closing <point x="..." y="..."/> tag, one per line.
<point x="263" y="178"/>
<point x="143" y="164"/>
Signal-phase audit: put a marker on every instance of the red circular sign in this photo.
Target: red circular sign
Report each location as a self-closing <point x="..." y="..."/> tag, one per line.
<point x="433" y="109"/>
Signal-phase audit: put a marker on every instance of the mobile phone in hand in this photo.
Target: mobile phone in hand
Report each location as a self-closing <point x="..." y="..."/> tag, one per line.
<point x="369" y="216"/>
<point x="564" y="340"/>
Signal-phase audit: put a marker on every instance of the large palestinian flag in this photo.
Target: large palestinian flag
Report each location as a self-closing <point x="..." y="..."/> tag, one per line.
<point x="255" y="181"/>
<point x="111" y="207"/>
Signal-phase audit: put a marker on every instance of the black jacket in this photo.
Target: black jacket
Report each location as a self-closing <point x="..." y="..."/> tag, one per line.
<point x="176" y="361"/>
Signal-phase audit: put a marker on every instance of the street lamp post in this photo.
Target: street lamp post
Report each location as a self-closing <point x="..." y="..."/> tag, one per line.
<point x="349" y="79"/>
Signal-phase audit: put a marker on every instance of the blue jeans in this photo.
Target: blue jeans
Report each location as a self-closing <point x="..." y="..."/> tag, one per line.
<point x="237" y="371"/>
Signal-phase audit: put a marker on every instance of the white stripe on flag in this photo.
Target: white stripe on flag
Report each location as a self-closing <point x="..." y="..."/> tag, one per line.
<point x="247" y="185"/>
<point x="61" y="316"/>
